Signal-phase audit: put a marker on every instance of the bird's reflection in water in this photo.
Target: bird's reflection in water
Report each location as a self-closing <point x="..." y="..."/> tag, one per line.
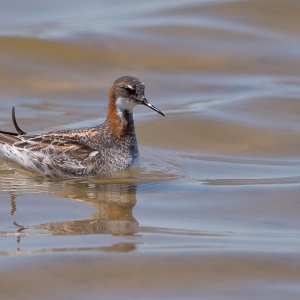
<point x="114" y="196"/>
<point x="114" y="202"/>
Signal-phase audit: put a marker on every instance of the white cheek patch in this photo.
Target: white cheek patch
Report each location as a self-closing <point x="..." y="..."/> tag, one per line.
<point x="125" y="104"/>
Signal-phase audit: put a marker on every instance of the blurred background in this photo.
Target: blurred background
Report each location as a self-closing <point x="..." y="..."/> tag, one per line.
<point x="213" y="213"/>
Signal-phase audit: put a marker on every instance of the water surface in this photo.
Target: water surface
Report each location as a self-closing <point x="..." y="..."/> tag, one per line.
<point x="213" y="212"/>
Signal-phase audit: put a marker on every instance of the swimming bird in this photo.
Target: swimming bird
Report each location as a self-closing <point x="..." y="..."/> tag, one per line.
<point x="109" y="147"/>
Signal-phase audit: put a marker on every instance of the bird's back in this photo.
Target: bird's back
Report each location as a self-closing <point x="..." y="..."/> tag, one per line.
<point x="71" y="152"/>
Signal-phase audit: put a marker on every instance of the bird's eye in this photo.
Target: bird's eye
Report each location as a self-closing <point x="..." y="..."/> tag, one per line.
<point x="129" y="88"/>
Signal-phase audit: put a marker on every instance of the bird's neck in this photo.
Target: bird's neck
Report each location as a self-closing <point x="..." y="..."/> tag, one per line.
<point x="120" y="120"/>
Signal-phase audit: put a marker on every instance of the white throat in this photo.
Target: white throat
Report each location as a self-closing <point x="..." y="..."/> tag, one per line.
<point x="125" y="104"/>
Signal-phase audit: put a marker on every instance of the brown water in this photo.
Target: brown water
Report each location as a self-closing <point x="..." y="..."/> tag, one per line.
<point x="214" y="211"/>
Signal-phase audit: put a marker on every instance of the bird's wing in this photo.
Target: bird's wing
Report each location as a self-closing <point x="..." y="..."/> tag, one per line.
<point x="68" y="143"/>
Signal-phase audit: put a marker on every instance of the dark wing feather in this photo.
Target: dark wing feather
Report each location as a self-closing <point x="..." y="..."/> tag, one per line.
<point x="19" y="130"/>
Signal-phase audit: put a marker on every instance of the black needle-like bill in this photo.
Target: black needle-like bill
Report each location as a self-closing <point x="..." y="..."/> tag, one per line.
<point x="147" y="103"/>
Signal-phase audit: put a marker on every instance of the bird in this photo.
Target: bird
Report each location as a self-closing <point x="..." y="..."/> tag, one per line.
<point x="109" y="147"/>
